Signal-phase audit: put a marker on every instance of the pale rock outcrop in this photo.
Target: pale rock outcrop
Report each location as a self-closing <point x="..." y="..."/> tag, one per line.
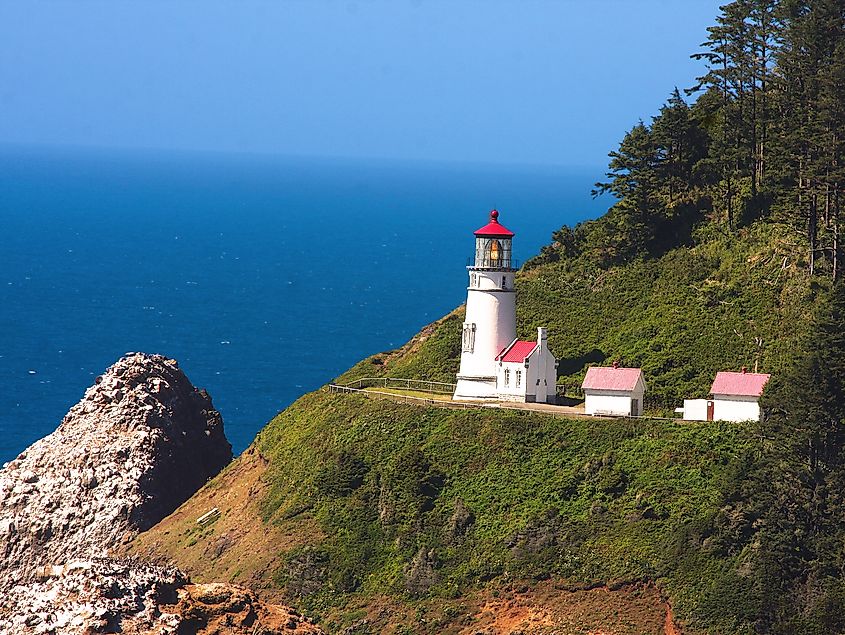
<point x="140" y="442"/>
<point x="99" y="596"/>
<point x="110" y="596"/>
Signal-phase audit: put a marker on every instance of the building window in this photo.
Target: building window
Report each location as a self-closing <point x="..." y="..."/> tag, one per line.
<point x="495" y="251"/>
<point x="507" y="377"/>
<point x="468" y="338"/>
<point x="493" y="254"/>
<point x="518" y="378"/>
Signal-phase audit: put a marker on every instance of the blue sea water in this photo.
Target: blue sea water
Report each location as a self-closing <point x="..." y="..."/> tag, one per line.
<point x="265" y="277"/>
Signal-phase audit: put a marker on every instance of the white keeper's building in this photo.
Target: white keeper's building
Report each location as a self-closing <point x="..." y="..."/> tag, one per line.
<point x="614" y="391"/>
<point x="495" y="365"/>
<point x="734" y="397"/>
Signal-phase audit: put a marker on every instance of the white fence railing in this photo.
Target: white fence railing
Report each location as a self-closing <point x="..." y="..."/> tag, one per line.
<point x="370" y="385"/>
<point x="421" y="385"/>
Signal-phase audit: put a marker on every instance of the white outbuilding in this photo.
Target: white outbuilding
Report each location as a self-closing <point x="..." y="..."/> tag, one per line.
<point x="527" y="371"/>
<point x="733" y="397"/>
<point x="613" y="390"/>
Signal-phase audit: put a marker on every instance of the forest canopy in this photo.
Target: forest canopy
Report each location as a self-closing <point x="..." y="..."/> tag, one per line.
<point x="763" y="138"/>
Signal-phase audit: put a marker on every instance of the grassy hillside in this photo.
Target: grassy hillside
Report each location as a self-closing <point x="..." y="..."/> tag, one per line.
<point x="718" y="253"/>
<point x="425" y="504"/>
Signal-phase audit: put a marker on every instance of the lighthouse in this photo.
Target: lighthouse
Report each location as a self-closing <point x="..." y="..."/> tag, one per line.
<point x="490" y="324"/>
<point x="495" y="365"/>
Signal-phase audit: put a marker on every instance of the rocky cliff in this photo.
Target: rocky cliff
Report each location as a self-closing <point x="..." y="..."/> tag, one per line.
<point x="141" y="441"/>
<point x="120" y="596"/>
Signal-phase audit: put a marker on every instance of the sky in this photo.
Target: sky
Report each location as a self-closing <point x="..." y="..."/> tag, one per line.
<point x="531" y="82"/>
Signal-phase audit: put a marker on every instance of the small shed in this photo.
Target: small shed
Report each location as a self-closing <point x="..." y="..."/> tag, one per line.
<point x="733" y="397"/>
<point x="526" y="371"/>
<point x="613" y="390"/>
<point x="736" y="396"/>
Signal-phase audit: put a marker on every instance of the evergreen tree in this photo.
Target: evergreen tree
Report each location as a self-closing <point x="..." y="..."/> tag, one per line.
<point x="832" y="151"/>
<point x="770" y="146"/>
<point x="634" y="180"/>
<point x="795" y="496"/>
<point x="811" y="36"/>
<point x="680" y="144"/>
<point x="728" y="60"/>
<point x="811" y="399"/>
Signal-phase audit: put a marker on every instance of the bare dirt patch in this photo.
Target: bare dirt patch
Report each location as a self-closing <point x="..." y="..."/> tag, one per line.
<point x="236" y="546"/>
<point x="544" y="608"/>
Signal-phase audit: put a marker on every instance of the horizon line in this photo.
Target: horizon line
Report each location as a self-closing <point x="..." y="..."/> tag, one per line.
<point x="344" y="158"/>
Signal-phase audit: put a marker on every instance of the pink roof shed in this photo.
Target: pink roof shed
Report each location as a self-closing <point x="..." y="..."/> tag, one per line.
<point x="741" y="384"/>
<point x="611" y="378"/>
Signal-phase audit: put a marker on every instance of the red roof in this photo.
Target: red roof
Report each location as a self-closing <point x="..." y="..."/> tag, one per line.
<point x="516" y="352"/>
<point x="493" y="228"/>
<point x="744" y="384"/>
<point x="611" y="378"/>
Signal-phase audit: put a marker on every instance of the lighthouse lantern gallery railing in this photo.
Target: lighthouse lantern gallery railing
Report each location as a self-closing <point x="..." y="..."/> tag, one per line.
<point x="489" y="263"/>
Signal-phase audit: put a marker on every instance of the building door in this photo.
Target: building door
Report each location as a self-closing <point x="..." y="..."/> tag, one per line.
<point x="635" y="407"/>
<point x="710" y="411"/>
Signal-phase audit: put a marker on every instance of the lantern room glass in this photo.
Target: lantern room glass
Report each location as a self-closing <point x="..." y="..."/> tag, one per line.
<point x="493" y="253"/>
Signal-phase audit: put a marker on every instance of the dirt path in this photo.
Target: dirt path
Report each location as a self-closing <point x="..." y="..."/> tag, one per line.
<point x="669" y="627"/>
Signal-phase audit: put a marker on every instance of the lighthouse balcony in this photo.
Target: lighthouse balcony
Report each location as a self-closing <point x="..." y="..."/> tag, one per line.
<point x="493" y="264"/>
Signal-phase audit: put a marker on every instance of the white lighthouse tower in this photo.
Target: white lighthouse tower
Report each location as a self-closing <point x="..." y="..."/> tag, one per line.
<point x="490" y="324"/>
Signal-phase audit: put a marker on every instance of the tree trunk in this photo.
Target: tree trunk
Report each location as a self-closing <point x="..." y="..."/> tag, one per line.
<point x="813" y="229"/>
<point x="835" y="272"/>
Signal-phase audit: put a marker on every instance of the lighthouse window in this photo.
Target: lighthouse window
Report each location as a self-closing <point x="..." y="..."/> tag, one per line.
<point x="468" y="338"/>
<point x="504" y="282"/>
<point x="474" y="280"/>
<point x="495" y="253"/>
<point x="507" y="377"/>
<point x="518" y="378"/>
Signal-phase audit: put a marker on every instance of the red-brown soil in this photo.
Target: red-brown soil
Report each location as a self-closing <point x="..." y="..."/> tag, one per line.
<point x="544" y="608"/>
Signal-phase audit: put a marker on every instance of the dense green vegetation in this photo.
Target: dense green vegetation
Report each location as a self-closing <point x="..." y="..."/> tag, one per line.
<point x="721" y="251"/>
<point x="429" y="501"/>
<point x="763" y="141"/>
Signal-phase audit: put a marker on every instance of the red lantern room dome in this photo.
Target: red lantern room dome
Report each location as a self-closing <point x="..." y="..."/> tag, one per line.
<point x="494" y="229"/>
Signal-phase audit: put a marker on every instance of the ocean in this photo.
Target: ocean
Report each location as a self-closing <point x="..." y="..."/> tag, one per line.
<point x="265" y="277"/>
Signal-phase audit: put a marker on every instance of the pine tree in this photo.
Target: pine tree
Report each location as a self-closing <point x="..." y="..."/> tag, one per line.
<point x="634" y="180"/>
<point x="832" y="142"/>
<point x="812" y="31"/>
<point x="764" y="30"/>
<point x="729" y="70"/>
<point x="681" y="144"/>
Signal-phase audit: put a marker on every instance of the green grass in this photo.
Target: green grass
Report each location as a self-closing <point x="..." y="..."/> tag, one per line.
<point x="589" y="500"/>
<point x="403" y="392"/>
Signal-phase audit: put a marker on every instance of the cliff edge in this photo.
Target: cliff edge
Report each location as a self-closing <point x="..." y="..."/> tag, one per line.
<point x="141" y="441"/>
